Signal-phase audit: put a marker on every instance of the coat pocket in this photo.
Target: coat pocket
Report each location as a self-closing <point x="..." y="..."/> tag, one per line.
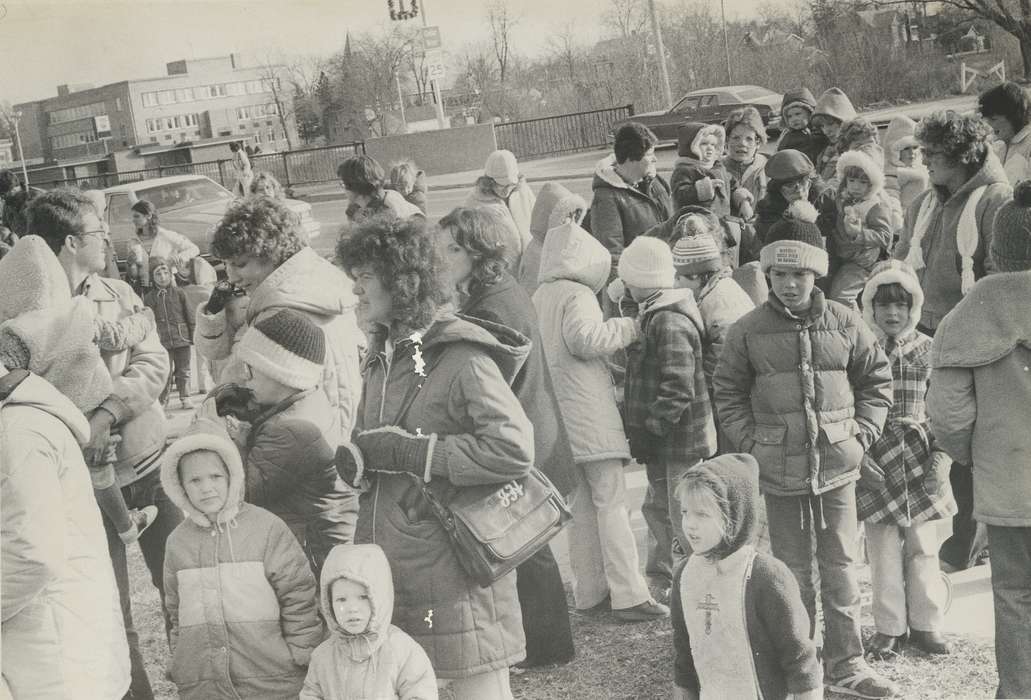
<point x="842" y="449"/>
<point x="770" y="450"/>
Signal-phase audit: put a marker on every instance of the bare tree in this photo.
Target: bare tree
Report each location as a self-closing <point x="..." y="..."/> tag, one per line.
<point x="364" y="78"/>
<point x="501" y="22"/>
<point x="272" y="74"/>
<point x="626" y="17"/>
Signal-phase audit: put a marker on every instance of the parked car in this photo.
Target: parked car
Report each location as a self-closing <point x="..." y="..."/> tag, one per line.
<point x="188" y="204"/>
<point x="711" y="106"/>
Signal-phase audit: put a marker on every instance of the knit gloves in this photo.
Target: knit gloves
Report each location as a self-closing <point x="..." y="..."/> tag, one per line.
<point x="396" y="451"/>
<point x="707" y="189"/>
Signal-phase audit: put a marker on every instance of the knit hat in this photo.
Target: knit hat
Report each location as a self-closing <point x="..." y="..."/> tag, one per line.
<point x="788" y="164"/>
<point x="835" y="103"/>
<point x="889" y="272"/>
<point x="502" y="167"/>
<point x="901" y="134"/>
<point x="746" y="116"/>
<point x="801" y="97"/>
<point x="554" y="203"/>
<point x="1011" y="240"/>
<point x="287" y="347"/>
<point x="795" y="241"/>
<point x="696" y="254"/>
<point x="158" y="261"/>
<point x="647" y="263"/>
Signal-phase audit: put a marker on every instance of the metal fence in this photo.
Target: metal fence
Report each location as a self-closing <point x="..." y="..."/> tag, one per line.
<point x="290" y="168"/>
<point x="565" y="133"/>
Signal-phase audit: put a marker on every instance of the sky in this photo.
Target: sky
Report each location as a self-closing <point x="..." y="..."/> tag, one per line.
<point x="45" y="43"/>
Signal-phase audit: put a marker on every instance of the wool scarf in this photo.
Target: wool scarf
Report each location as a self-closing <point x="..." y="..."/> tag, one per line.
<point x="966" y="234"/>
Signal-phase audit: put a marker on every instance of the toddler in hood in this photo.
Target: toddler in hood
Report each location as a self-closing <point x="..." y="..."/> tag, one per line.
<point x="555" y="206"/>
<point x="365" y="656"/>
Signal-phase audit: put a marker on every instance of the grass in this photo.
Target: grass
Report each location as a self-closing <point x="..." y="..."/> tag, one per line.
<point x="623" y="662"/>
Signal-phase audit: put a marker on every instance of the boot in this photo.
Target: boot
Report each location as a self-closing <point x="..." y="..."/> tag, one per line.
<point x="929" y="642"/>
<point x="885" y="646"/>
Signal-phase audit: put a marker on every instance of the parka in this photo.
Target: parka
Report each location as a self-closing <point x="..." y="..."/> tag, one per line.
<point x="1015" y="155"/>
<point x="870" y="214"/>
<point x="383" y="662"/>
<point x="554" y="205"/>
<point x="62" y="634"/>
<point x="577" y="342"/>
<point x="514" y="213"/>
<point x="805" y="396"/>
<point x="721" y="302"/>
<point x="483" y="437"/>
<point x="694" y="182"/>
<point x="172" y="315"/>
<point x="809" y="141"/>
<point x="239" y="592"/>
<point x="313" y="286"/>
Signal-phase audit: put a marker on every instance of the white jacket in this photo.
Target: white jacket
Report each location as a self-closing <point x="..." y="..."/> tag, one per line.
<point x="61" y="621"/>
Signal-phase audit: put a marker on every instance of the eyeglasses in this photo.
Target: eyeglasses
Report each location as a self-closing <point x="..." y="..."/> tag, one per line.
<point x="100" y="233"/>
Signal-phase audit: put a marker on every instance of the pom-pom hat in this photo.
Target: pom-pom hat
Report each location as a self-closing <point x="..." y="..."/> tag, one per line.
<point x="695" y="251"/>
<point x="1011" y="241"/>
<point x="647" y="263"/>
<point x="287" y="347"/>
<point x="796" y="241"/>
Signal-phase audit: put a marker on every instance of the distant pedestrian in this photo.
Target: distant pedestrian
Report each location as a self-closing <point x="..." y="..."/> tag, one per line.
<point x="175" y="322"/>
<point x="365" y="184"/>
<point x="833" y="110"/>
<point x="1007" y="109"/>
<point x="798" y="131"/>
<point x="503" y="190"/>
<point x="241" y="169"/>
<point x="410" y="182"/>
<point x="152" y="239"/>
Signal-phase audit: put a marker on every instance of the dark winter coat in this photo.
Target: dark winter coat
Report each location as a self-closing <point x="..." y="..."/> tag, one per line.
<point x="508" y="304"/>
<point x="808" y="141"/>
<point x="173" y="316"/>
<point x="771" y="209"/>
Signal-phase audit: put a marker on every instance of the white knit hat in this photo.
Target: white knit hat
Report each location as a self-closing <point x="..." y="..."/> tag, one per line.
<point x="287" y="347"/>
<point x="647" y="263"/>
<point x="502" y="167"/>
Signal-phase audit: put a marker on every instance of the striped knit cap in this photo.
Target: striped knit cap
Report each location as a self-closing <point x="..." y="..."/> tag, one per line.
<point x="697" y="254"/>
<point x="287" y="347"/>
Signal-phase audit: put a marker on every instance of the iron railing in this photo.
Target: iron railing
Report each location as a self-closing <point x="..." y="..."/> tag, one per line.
<point x="564" y="133"/>
<point x="289" y="167"/>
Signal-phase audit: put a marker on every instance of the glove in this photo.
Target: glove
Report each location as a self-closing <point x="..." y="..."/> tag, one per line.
<point x="740" y="197"/>
<point x="220" y="295"/>
<point x="616" y="290"/>
<point x="870" y="475"/>
<point x="397" y="451"/>
<point x="643" y="445"/>
<point x="853" y="224"/>
<point x="350" y="464"/>
<point x="237" y="401"/>
<point x="705" y="189"/>
<point x="936" y="478"/>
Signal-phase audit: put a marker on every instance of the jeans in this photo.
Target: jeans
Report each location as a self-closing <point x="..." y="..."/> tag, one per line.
<point x="667" y="546"/>
<point x="1011" y="594"/>
<point x="602" y="551"/>
<point x="542" y="598"/>
<point x="968" y="540"/>
<point x="144" y="492"/>
<point x="831" y="518"/>
<point x="908" y="591"/>
<point x="179" y="358"/>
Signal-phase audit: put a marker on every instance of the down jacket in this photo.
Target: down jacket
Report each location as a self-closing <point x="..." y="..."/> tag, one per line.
<point x="239" y="592"/>
<point x="62" y="634"/>
<point x="576" y="341"/>
<point x="383" y="661"/>
<point x="805" y="396"/>
<point x="483" y="437"/>
<point x="722" y="301"/>
<point x="313" y="286"/>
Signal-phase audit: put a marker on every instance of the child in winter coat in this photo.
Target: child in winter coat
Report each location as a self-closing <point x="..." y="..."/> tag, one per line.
<point x="804" y="388"/>
<point x="238" y="590"/>
<point x="725" y="583"/>
<point x="833" y="110"/>
<point x="746" y="167"/>
<point x="905" y="175"/>
<point x="668" y="414"/>
<point x="365" y="656"/>
<point x="555" y="206"/>
<point x="286" y="452"/>
<point x="796" y="113"/>
<point x="904" y="480"/>
<point x="576" y="341"/>
<point x="175" y="321"/>
<point x="862" y="230"/>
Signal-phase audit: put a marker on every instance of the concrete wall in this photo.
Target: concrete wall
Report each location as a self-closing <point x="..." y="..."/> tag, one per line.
<point x="437" y="152"/>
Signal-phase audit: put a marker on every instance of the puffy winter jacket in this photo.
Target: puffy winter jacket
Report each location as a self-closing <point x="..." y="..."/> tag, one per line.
<point x="318" y="289"/>
<point x="239" y="592"/>
<point x="514" y="213"/>
<point x="574" y="268"/>
<point x="805" y="396"/>
<point x="721" y="302"/>
<point x="172" y="316"/>
<point x="483" y="437"/>
<point x="382" y="662"/>
<point x="62" y="634"/>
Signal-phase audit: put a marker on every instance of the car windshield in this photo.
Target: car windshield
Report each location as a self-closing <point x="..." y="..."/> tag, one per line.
<point x="688" y="104"/>
<point x="753" y="93"/>
<point x="188" y="193"/>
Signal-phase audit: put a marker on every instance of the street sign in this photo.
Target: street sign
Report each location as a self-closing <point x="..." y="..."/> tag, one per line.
<point x="435" y="68"/>
<point x="102" y="125"/>
<point x="431" y="38"/>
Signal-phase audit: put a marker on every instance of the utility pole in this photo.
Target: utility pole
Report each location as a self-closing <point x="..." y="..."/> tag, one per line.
<point x="21" y="153"/>
<point x="667" y="93"/>
<point x="726" y="42"/>
<point x="401" y="101"/>
<point x="435" y="83"/>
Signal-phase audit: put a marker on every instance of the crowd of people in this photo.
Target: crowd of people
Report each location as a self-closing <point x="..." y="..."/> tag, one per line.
<point x="816" y="355"/>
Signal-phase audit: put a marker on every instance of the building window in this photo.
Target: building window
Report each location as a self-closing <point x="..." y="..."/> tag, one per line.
<point x="216" y="90"/>
<point x="269" y="122"/>
<point x="169" y="124"/>
<point x="153" y="139"/>
<point x="271" y="135"/>
<point x="243" y="113"/>
<point x="271" y="108"/>
<point x="256" y="125"/>
<point x="182" y="136"/>
<point x="75" y="139"/>
<point x="166" y="97"/>
<point x="118" y="104"/>
<point x="254" y="87"/>
<point x="168" y="137"/>
<point x="69" y="114"/>
<point x="150" y="99"/>
<point x="184" y="94"/>
<point x="236" y="88"/>
<point x="123" y="130"/>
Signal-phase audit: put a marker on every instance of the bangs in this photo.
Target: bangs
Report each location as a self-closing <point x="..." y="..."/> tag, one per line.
<point x="892" y="294"/>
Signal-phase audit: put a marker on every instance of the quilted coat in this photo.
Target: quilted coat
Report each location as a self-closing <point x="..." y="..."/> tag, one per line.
<point x="576" y="342"/>
<point x="383" y="661"/>
<point x="62" y="634"/>
<point x="722" y="302"/>
<point x="805" y="396"/>
<point x="483" y="437"/>
<point x="173" y="316"/>
<point x="239" y="591"/>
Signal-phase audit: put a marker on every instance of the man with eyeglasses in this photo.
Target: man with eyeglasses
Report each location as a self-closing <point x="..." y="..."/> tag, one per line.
<point x="71" y="225"/>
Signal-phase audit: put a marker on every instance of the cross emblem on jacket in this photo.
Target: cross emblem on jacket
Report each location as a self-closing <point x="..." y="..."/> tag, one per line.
<point x="709" y="605"/>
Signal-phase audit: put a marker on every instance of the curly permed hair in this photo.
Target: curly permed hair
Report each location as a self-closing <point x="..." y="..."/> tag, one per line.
<point x="482" y="233"/>
<point x="259" y="227"/>
<point x="856" y="132"/>
<point x="406" y="261"/>
<point x="965" y="140"/>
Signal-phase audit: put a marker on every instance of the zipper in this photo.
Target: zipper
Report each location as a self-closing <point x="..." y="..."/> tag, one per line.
<point x="383" y="389"/>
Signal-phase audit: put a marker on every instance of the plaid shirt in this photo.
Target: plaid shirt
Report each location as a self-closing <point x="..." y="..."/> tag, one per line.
<point x="904" y="450"/>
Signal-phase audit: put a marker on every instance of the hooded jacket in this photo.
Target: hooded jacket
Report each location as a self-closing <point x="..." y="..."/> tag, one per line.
<point x="1015" y="155"/>
<point x="759" y="605"/>
<point x="483" y="437"/>
<point x="239" y="592"/>
<point x="804" y="395"/>
<point x="554" y="205"/>
<point x="620" y="212"/>
<point x="809" y="141"/>
<point x="62" y="633"/>
<point x="515" y="213"/>
<point x="173" y="315"/>
<point x="318" y="289"/>
<point x="417" y="195"/>
<point x="668" y="413"/>
<point x="902" y="181"/>
<point x="862" y="227"/>
<point x="697" y="183"/>
<point x="577" y="342"/>
<point x="383" y="662"/>
<point x="940" y="278"/>
<point x="722" y="301"/>
<point x="980" y="392"/>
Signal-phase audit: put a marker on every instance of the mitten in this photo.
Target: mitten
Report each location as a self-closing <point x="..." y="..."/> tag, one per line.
<point x="237" y="401"/>
<point x="705" y="189"/>
<point x="853" y="224"/>
<point x="739" y="197"/>
<point x="870" y="475"/>
<point x="395" y="450"/>
<point x="350" y="464"/>
<point x="936" y="478"/>
<point x="616" y="290"/>
<point x="222" y="293"/>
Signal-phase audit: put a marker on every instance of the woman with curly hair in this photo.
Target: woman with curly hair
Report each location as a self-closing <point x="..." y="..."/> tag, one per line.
<point x="155" y="241"/>
<point x="474" y="251"/>
<point x="363" y="180"/>
<point x="437" y="415"/>
<point x="262" y="244"/>
<point x="945" y="239"/>
<point x="1007" y="109"/>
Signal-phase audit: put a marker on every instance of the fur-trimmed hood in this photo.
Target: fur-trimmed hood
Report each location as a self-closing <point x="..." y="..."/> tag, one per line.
<point x="554" y="203"/>
<point x="858" y="159"/>
<point x="204" y="434"/>
<point x="367" y="565"/>
<point x="901" y="133"/>
<point x="802" y="97"/>
<point x="887" y="272"/>
<point x="691" y="133"/>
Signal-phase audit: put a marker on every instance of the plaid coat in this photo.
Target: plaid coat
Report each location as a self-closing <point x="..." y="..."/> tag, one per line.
<point x="668" y="414"/>
<point x="905" y="448"/>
